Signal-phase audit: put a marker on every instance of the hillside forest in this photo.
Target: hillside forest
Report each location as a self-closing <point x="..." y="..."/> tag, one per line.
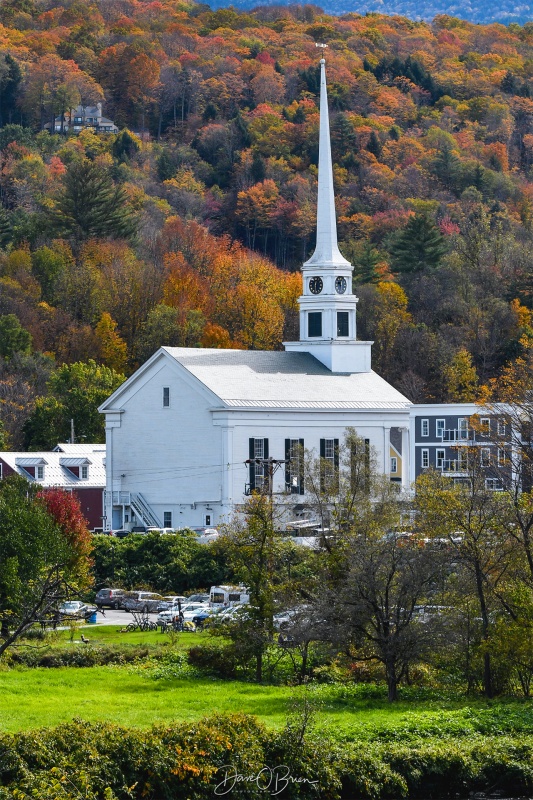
<point x="189" y="226"/>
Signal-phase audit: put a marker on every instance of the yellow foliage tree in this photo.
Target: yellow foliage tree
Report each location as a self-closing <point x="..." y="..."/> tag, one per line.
<point x="113" y="349"/>
<point x="461" y="378"/>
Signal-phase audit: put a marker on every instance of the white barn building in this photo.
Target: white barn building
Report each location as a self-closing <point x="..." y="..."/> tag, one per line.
<point x="181" y="428"/>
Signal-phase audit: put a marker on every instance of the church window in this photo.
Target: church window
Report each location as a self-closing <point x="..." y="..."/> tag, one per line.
<point x="425" y="458"/>
<point x="166" y="396"/>
<point x="343" y="323"/>
<point x="425" y="427"/>
<point x="314" y="323"/>
<point x="294" y="465"/>
<point x="167" y="519"/>
<point x="329" y="463"/>
<point x="258" y="452"/>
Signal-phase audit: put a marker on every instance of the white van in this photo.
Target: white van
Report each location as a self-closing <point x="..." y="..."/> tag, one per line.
<point x="228" y="596"/>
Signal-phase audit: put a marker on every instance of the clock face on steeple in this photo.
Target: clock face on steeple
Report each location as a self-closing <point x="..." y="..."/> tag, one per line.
<point x="340" y="285"/>
<point x="316" y="285"/>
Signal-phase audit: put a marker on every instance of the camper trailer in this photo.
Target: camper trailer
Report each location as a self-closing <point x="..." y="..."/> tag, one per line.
<point x="227" y="596"/>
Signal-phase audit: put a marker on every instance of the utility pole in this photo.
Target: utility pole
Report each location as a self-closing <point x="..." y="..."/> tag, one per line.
<point x="272" y="465"/>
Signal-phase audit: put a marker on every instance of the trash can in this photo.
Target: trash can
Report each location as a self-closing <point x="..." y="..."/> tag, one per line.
<point x="92" y="618"/>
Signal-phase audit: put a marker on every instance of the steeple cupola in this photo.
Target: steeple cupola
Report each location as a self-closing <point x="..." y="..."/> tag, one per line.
<point x="327" y="305"/>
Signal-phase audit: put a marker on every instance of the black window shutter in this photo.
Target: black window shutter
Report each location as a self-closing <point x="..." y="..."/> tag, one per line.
<point x="265" y="448"/>
<point x="336" y="453"/>
<point x="367" y="464"/>
<point x="288" y="464"/>
<point x="252" y="464"/>
<point x="353" y="468"/>
<point x="302" y="490"/>
<point x="322" y="468"/>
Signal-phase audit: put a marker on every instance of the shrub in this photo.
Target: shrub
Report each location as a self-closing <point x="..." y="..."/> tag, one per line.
<point x="87" y="656"/>
<point x="215" y="660"/>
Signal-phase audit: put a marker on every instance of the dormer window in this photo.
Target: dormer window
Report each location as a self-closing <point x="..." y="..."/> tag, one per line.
<point x="39" y="473"/>
<point x="84" y="473"/>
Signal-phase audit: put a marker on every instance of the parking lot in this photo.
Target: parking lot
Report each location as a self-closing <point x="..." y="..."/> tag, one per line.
<point x="119" y="617"/>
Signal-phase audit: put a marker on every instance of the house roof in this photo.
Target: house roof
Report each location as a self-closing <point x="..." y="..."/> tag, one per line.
<point x="56" y="465"/>
<point x="272" y="379"/>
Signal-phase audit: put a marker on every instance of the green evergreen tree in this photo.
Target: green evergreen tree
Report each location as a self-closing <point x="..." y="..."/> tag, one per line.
<point x="447" y="168"/>
<point x="13" y="337"/>
<point x="125" y="146"/>
<point x="365" y="259"/>
<point x="9" y="89"/>
<point x="91" y="205"/>
<point x="419" y="246"/>
<point x="166" y="166"/>
<point x="374" y="145"/>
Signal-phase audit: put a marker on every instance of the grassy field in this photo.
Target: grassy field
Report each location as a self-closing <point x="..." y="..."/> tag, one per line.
<point x="31" y="698"/>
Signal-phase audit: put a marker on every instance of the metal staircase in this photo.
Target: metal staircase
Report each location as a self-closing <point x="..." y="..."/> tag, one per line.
<point x="143" y="511"/>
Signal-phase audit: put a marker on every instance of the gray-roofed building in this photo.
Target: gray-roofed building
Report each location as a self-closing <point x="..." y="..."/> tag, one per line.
<point x="77" y="468"/>
<point x="181" y="428"/>
<point x="84" y="117"/>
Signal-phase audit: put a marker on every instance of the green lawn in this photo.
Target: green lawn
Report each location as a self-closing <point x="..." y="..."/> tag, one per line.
<point x="37" y="697"/>
<point x="32" y="698"/>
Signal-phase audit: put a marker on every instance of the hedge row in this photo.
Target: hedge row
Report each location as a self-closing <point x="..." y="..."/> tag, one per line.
<point x="236" y="757"/>
<point x="93" y="656"/>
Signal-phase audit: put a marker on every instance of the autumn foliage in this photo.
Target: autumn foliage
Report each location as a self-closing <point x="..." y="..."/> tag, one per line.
<point x="189" y="226"/>
<point x="64" y="508"/>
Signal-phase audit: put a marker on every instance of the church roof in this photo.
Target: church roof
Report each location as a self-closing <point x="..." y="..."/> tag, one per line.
<point x="274" y="379"/>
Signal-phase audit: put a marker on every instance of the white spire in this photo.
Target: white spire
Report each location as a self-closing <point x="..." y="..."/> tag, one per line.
<point x="326" y="252"/>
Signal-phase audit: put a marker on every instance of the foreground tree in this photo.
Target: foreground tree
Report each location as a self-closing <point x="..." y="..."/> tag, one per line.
<point x="44" y="555"/>
<point x="471" y="518"/>
<point x="374" y="609"/>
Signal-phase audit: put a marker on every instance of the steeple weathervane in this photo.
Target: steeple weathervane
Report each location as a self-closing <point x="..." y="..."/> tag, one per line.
<point x="326" y="252"/>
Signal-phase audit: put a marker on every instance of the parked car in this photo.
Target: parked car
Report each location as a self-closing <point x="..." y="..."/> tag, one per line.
<point x="73" y="608"/>
<point x="121" y="534"/>
<point x="109" y="598"/>
<point x="141" y="601"/>
<point x="204" y="616"/>
<point x="198" y="598"/>
<point x="173" y="614"/>
<point x="171" y="600"/>
<point x="139" y="529"/>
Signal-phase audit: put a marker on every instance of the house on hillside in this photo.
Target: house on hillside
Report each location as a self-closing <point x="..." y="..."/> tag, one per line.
<point x="181" y="428"/>
<point x="77" y="468"/>
<point x="84" y="117"/>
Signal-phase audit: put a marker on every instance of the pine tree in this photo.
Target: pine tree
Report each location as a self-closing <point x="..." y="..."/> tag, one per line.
<point x="91" y="205"/>
<point x="365" y="262"/>
<point x="420" y="245"/>
<point x="374" y="145"/>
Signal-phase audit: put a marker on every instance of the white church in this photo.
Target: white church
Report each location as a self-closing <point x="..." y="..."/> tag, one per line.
<point x="180" y="430"/>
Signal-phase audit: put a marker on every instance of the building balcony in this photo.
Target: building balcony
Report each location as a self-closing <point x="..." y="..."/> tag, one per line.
<point x="455" y="466"/>
<point x="459" y="435"/>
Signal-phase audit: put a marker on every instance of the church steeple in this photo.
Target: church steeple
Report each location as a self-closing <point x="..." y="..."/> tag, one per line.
<point x="326" y="252"/>
<point x="327" y="305"/>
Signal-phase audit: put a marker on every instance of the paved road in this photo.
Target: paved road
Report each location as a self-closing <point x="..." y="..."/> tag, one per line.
<point x="121" y="618"/>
